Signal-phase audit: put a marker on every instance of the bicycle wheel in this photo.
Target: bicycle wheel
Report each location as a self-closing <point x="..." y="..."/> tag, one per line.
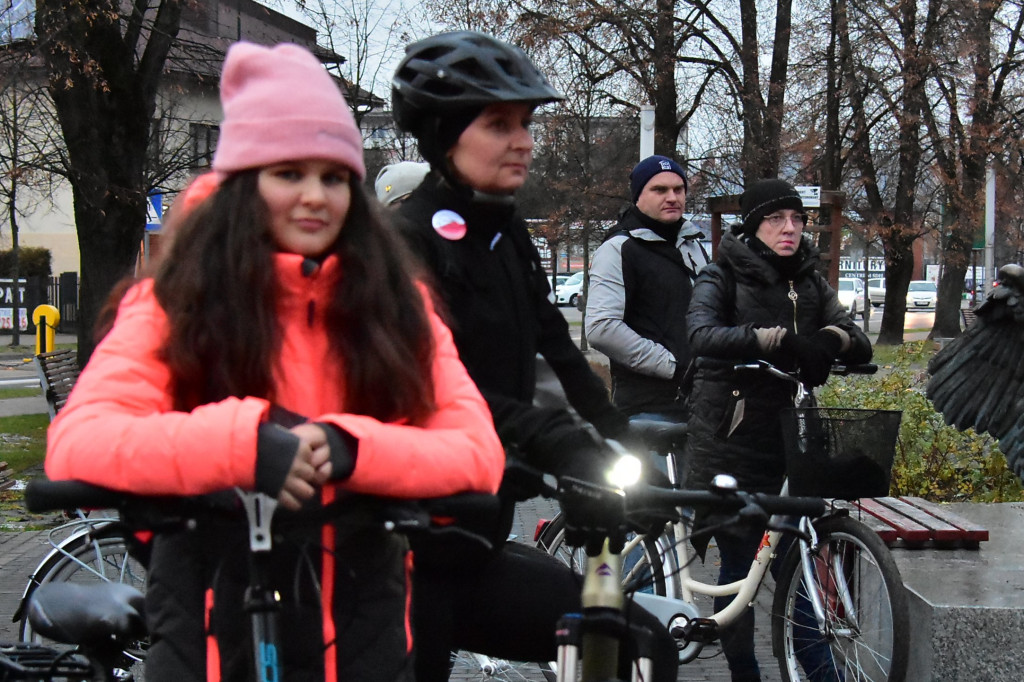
<point x="643" y="559"/>
<point x="470" y="666"/>
<point x="91" y="561"/>
<point x="867" y="630"/>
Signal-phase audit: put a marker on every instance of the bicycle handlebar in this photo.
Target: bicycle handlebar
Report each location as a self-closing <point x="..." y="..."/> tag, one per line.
<point x="594" y="512"/>
<point x="159" y="512"/>
<point x="653" y="499"/>
<point x="42" y="495"/>
<point x="838" y="369"/>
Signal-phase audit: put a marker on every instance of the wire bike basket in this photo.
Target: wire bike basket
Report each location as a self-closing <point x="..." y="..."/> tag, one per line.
<point x="838" y="452"/>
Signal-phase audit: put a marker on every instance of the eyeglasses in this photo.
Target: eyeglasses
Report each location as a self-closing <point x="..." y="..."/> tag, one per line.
<point x="777" y="220"/>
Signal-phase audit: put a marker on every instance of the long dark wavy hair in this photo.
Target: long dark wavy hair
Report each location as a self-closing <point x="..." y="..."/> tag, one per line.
<point x="218" y="288"/>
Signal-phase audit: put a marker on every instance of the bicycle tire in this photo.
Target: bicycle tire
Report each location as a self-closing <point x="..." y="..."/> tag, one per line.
<point x="470" y="666"/>
<point x="871" y="640"/>
<point x="90" y="561"/>
<point x="647" y="573"/>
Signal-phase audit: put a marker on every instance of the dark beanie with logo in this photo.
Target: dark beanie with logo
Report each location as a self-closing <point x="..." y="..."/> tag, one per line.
<point x="647" y="169"/>
<point x="763" y="198"/>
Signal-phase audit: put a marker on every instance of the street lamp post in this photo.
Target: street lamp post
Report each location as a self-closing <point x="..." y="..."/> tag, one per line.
<point x="646" y="131"/>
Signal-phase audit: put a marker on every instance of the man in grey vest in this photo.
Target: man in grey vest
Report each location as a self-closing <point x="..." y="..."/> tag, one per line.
<point x="640" y="284"/>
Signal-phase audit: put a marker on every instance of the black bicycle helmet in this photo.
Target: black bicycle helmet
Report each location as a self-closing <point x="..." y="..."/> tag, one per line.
<point x="460" y="71"/>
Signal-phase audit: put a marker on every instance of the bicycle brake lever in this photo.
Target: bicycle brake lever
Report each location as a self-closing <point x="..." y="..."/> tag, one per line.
<point x="791" y="529"/>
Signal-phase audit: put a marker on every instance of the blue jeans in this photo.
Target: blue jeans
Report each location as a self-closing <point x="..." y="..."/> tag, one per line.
<point x="737" y="547"/>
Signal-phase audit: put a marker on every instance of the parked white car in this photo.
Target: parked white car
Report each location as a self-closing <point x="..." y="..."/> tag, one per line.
<point x="851" y="295"/>
<point x="921" y="294"/>
<point x="876" y="291"/>
<point x="569" y="292"/>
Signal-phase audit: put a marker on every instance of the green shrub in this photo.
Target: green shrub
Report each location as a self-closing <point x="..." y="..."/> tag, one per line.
<point x="33" y="261"/>
<point x="932" y="460"/>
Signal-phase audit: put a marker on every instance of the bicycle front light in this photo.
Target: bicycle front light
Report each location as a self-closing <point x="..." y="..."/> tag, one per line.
<point x="625" y="472"/>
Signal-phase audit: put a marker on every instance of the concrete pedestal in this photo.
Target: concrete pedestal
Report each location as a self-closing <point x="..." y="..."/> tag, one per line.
<point x="967" y="606"/>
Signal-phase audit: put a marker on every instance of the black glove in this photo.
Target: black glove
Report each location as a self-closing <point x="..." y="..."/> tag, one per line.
<point x="521" y="482"/>
<point x="829" y="341"/>
<point x="580" y="456"/>
<point x="814" y="355"/>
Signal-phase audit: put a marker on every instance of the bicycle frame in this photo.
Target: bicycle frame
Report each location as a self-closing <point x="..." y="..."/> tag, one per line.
<point x="678" y="610"/>
<point x="677" y="559"/>
<point x="602" y="629"/>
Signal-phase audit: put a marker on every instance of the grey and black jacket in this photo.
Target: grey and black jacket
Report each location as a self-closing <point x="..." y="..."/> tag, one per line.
<point x="639" y="293"/>
<point x="735" y="416"/>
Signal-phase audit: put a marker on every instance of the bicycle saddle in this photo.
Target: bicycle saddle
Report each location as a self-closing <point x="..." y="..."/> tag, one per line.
<point x="660" y="436"/>
<point x="89" y="615"/>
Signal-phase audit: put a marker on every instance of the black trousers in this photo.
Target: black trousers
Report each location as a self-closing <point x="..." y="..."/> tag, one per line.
<point x="506" y="607"/>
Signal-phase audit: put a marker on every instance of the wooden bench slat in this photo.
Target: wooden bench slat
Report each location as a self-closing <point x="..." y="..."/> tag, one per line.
<point x="906" y="528"/>
<point x="968" y="529"/>
<point x="884" y="530"/>
<point x="58" y="372"/>
<point x="938" y="529"/>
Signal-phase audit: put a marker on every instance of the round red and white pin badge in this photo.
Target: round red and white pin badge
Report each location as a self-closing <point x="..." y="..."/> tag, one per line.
<point x="449" y="224"/>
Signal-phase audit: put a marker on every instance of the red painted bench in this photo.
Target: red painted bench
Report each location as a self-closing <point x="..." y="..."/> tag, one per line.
<point x="912" y="522"/>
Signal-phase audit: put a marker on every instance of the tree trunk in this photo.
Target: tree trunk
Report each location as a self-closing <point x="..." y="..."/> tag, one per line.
<point x="666" y="121"/>
<point x="750" y="95"/>
<point x="774" y="111"/>
<point x="968" y="201"/>
<point x="104" y="83"/>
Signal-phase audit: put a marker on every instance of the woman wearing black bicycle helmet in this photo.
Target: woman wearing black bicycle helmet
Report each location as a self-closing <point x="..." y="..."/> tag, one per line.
<point x="469" y="99"/>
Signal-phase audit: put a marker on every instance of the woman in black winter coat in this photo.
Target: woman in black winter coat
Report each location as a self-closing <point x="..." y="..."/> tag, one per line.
<point x="468" y="99"/>
<point x="761" y="299"/>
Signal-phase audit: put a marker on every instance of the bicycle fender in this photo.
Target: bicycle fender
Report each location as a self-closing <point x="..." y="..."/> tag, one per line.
<point x="47" y="564"/>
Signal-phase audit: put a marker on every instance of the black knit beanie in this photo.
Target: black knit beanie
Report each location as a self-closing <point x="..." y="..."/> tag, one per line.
<point x="763" y="198"/>
<point x="439" y="134"/>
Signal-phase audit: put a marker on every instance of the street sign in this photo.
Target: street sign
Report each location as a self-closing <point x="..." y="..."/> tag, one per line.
<point x="154" y="210"/>
<point x="810" y="195"/>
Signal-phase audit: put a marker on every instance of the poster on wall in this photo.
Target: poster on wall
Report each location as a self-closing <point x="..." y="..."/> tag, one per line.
<point x="7" y="319"/>
<point x="7" y="293"/>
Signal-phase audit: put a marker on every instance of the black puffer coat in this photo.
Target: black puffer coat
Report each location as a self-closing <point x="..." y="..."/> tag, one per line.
<point x="734" y="418"/>
<point x="495" y="295"/>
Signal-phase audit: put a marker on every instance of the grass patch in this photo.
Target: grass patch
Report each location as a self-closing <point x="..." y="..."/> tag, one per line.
<point x="23" y="440"/>
<point x="6" y="393"/>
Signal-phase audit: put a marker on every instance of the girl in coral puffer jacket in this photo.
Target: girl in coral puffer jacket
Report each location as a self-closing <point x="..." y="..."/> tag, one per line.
<point x="282" y="345"/>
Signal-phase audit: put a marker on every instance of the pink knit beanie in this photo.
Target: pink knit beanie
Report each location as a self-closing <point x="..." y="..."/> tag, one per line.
<point x="280" y="104"/>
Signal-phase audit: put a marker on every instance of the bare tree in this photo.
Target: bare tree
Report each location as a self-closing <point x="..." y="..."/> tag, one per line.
<point x="367" y="33"/>
<point x="27" y="140"/>
<point x="104" y="69"/>
<point x="966" y="141"/>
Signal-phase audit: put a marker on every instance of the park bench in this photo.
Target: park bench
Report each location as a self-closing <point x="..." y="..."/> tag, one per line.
<point x="968" y="316"/>
<point x="58" y="371"/>
<point x="913" y="523"/>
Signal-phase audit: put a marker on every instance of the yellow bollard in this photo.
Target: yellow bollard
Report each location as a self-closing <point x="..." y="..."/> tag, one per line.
<point x="46" y="318"/>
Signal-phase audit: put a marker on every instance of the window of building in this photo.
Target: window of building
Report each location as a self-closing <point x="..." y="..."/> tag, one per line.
<point x="204" y="143"/>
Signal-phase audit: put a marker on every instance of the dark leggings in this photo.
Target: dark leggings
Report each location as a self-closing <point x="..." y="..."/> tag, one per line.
<point x="506" y="607"/>
<point x="737" y="549"/>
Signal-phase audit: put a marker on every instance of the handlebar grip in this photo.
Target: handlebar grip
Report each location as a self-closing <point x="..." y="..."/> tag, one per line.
<point x="790" y="506"/>
<point x="44" y="495"/>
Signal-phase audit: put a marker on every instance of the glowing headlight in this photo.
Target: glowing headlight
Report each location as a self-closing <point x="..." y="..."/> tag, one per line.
<point x="625" y="472"/>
